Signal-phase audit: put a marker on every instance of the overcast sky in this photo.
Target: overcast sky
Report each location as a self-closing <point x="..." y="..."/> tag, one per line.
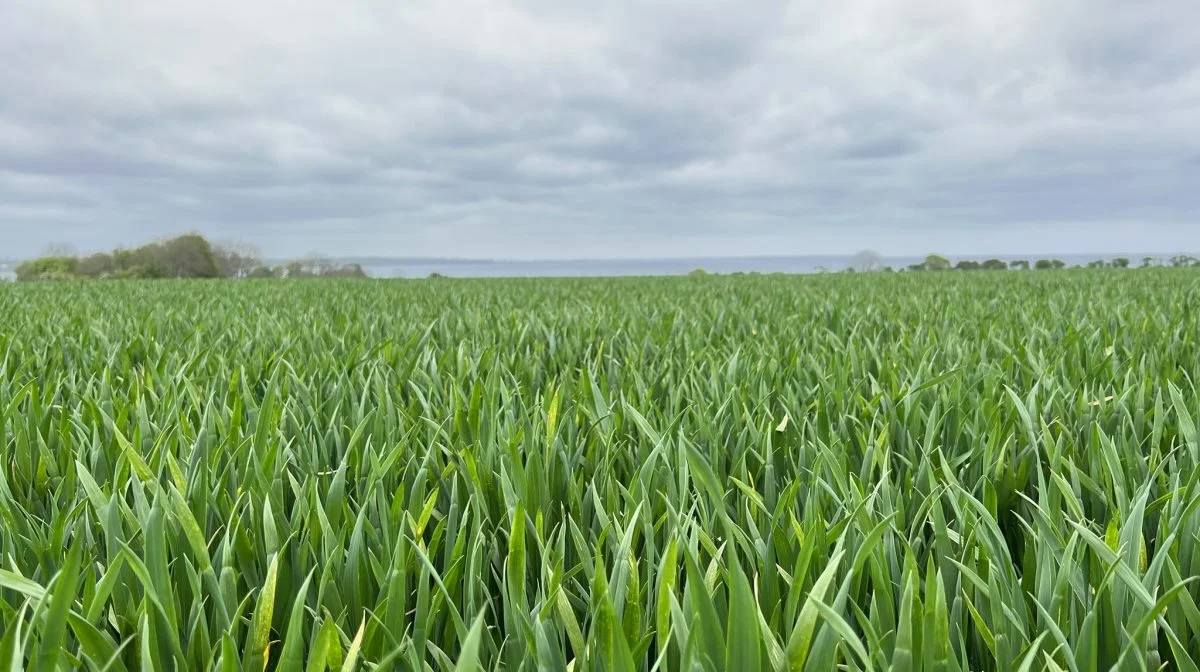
<point x="565" y="129"/>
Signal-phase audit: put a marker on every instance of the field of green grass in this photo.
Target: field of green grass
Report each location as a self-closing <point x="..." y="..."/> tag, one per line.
<point x="938" y="471"/>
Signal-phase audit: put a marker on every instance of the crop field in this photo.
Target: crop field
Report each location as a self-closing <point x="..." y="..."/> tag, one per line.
<point x="930" y="471"/>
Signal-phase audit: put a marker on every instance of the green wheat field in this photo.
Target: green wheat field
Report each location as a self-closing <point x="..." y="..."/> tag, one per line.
<point x="935" y="471"/>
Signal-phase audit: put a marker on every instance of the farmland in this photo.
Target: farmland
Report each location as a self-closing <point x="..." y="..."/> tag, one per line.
<point x="942" y="471"/>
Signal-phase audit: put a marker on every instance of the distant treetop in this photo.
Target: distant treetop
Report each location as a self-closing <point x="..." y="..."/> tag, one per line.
<point x="866" y="261"/>
<point x="186" y="256"/>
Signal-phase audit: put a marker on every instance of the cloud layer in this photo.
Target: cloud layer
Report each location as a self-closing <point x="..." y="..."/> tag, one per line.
<point x="544" y="128"/>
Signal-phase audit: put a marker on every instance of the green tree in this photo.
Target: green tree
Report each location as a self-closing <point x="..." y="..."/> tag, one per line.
<point x="138" y="272"/>
<point x="1120" y="262"/>
<point x="97" y="265"/>
<point x="188" y="256"/>
<point x="967" y="265"/>
<point x="263" y="272"/>
<point x="936" y="262"/>
<point x="1020" y="265"/>
<point x="345" y="271"/>
<point x="1049" y="264"/>
<point x="995" y="265"/>
<point x="297" y="269"/>
<point x="47" y="268"/>
<point x="866" y="261"/>
<point x="142" y="262"/>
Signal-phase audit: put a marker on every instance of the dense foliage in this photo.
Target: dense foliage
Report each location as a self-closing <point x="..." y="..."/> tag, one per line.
<point x="907" y="471"/>
<point x="187" y="256"/>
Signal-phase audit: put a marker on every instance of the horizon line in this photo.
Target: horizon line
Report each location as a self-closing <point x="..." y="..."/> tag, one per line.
<point x="740" y="257"/>
<point x="268" y="259"/>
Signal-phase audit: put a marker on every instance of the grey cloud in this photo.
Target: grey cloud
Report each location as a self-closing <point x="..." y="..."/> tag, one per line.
<point x="536" y="128"/>
<point x="882" y="148"/>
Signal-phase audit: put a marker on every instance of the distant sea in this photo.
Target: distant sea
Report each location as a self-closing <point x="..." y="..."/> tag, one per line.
<point x="463" y="268"/>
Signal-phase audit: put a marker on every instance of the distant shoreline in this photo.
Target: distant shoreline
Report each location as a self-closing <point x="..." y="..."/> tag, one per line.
<point x="465" y="261"/>
<point x="11" y="263"/>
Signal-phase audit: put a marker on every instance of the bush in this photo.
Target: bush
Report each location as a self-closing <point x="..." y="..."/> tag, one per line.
<point x="140" y="272"/>
<point x="48" y="268"/>
<point x="188" y="256"/>
<point x="96" y="265"/>
<point x="347" y="271"/>
<point x="936" y="262"/>
<point x="263" y="272"/>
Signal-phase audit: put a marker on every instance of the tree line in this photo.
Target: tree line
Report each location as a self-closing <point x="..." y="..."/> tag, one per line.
<point x="870" y="261"/>
<point x="188" y="256"/>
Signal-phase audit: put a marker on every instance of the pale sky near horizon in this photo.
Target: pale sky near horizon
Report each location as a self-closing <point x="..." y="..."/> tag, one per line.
<point x="567" y="129"/>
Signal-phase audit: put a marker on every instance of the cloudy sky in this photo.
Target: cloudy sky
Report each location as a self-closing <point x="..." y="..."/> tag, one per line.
<point x="605" y="128"/>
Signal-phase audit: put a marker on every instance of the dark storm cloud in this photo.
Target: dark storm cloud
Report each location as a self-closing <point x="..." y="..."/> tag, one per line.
<point x="527" y="128"/>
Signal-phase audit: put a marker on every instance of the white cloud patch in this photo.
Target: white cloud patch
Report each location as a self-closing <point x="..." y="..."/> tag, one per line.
<point x="544" y="128"/>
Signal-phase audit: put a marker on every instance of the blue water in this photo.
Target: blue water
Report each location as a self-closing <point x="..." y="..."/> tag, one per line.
<point x="404" y="268"/>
